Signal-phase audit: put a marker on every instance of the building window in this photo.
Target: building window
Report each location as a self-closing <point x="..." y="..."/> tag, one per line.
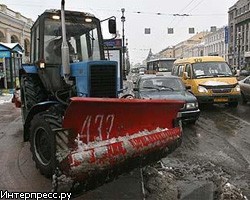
<point x="2" y="38"/>
<point x="201" y="53"/>
<point x="27" y="47"/>
<point x="14" y="39"/>
<point x="231" y="16"/>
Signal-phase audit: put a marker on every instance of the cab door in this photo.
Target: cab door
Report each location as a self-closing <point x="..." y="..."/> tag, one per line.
<point x="187" y="75"/>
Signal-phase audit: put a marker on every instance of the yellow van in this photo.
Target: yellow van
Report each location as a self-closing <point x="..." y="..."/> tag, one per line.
<point x="210" y="79"/>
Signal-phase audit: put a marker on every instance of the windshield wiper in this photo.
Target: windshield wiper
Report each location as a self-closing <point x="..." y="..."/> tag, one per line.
<point x="149" y="87"/>
<point x="163" y="87"/>
<point x="221" y="75"/>
<point x="203" y="76"/>
<point x="159" y="88"/>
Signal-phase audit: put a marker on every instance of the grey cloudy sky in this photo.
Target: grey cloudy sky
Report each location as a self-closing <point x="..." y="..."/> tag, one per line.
<point x="140" y="14"/>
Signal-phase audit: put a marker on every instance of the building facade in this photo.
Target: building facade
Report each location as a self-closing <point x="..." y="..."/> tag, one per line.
<point x="239" y="34"/>
<point x="216" y="42"/>
<point x="190" y="47"/>
<point x="166" y="53"/>
<point x="15" y="28"/>
<point x="213" y="42"/>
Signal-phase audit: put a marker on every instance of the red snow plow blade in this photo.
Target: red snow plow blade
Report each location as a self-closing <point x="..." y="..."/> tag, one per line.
<point x="107" y="137"/>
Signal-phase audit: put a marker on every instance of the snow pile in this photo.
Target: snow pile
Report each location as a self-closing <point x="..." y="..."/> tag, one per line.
<point x="227" y="191"/>
<point x="6" y="98"/>
<point x="163" y="181"/>
<point x="160" y="185"/>
<point x="61" y="183"/>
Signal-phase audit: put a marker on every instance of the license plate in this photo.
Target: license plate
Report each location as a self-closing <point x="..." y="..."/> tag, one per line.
<point x="220" y="99"/>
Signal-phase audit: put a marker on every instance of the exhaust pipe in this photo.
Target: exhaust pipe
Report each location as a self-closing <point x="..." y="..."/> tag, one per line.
<point x="65" y="47"/>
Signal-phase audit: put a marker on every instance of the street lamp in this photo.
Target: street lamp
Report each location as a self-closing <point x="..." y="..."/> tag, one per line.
<point x="127" y="66"/>
<point x="123" y="43"/>
<point x="238" y="40"/>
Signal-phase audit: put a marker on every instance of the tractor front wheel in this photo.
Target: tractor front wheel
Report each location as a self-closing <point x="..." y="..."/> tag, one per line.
<point x="42" y="141"/>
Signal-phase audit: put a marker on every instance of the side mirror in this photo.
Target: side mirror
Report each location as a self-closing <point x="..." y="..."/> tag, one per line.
<point x="188" y="87"/>
<point x="185" y="75"/>
<point x="237" y="74"/>
<point x="112" y="26"/>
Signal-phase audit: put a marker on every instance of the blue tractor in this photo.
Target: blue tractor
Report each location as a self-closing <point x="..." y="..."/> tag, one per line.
<point x="72" y="116"/>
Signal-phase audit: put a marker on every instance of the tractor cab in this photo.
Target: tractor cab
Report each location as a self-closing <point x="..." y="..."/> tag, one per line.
<point x="87" y="68"/>
<point x="83" y="32"/>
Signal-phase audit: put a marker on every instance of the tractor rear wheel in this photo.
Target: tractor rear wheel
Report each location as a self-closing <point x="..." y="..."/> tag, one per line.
<point x="32" y="92"/>
<point x="42" y="140"/>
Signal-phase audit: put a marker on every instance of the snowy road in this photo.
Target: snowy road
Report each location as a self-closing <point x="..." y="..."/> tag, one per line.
<point x="214" y="155"/>
<point x="217" y="146"/>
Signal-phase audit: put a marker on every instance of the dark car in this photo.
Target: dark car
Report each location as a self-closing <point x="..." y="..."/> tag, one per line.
<point x="245" y="89"/>
<point x="168" y="87"/>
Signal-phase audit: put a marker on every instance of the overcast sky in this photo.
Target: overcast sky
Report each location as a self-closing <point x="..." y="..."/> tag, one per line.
<point x="158" y="15"/>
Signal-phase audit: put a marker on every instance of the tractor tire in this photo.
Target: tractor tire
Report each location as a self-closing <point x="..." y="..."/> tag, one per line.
<point x="42" y="140"/>
<point x="32" y="91"/>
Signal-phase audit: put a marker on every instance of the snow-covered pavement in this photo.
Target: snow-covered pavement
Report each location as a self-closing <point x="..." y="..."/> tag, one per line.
<point x="5" y="98"/>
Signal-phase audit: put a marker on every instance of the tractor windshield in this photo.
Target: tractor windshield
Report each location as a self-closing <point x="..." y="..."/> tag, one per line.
<point x="82" y="36"/>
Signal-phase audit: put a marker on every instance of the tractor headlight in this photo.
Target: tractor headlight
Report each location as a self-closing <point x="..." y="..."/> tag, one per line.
<point x="56" y="17"/>
<point x="202" y="89"/>
<point x="42" y="65"/>
<point x="88" y="20"/>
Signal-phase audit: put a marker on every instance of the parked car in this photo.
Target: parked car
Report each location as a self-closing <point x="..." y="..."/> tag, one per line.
<point x="245" y="89"/>
<point x="244" y="72"/>
<point x="168" y="87"/>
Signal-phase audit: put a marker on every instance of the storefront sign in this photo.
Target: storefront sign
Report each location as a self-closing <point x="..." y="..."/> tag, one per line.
<point x="226" y="34"/>
<point x="115" y="43"/>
